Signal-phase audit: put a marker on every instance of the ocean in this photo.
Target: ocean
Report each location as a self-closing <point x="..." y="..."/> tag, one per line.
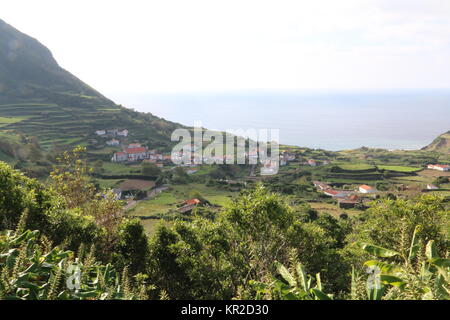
<point x="328" y="120"/>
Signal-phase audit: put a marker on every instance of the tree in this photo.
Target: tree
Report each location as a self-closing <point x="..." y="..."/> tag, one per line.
<point x="132" y="247"/>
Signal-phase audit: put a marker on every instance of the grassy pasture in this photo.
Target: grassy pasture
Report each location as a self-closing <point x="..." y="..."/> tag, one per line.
<point x="399" y="168"/>
<point x="356" y="166"/>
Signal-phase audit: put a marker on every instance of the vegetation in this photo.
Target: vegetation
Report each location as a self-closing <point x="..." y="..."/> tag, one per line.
<point x="239" y="251"/>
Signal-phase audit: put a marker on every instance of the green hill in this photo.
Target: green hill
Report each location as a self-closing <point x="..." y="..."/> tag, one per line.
<point x="440" y="144"/>
<point x="40" y="99"/>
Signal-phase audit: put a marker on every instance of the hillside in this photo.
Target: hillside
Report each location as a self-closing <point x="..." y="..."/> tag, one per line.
<point x="440" y="144"/>
<point x="40" y="99"/>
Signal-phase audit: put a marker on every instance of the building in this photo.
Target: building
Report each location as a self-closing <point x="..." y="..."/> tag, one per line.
<point x="439" y="167"/>
<point x="431" y="187"/>
<point x="312" y="162"/>
<point x="136" y="154"/>
<point x="336" y="193"/>
<point x="100" y="132"/>
<point x="320" y="185"/>
<point x="113" y="142"/>
<point x="122" y="133"/>
<point x="366" y="189"/>
<point x="188" y="205"/>
<point x="119" y="157"/>
<point x="194" y="201"/>
<point x="134" y="145"/>
<point x="346" y="203"/>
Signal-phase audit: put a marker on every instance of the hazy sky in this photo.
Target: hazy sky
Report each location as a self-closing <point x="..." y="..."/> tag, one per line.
<point x="191" y="45"/>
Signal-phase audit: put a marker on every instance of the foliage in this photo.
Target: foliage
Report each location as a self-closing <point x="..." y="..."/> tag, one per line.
<point x="421" y="273"/>
<point x="31" y="269"/>
<point x="292" y="284"/>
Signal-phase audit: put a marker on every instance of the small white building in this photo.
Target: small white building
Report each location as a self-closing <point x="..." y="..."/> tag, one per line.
<point x="135" y="154"/>
<point x="431" y="187"/>
<point x="100" y="132"/>
<point x="122" y="133"/>
<point x="119" y="157"/>
<point x="366" y="189"/>
<point x="134" y="145"/>
<point x="113" y="142"/>
<point x="439" y="167"/>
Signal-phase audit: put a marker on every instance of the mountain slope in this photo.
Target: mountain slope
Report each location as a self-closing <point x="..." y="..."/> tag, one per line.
<point x="440" y="144"/>
<point x="28" y="69"/>
<point x="39" y="98"/>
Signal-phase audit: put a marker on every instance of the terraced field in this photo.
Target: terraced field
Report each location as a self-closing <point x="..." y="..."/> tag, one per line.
<point x="52" y="123"/>
<point x="399" y="168"/>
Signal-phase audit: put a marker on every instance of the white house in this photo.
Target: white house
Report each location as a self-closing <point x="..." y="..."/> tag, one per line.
<point x="366" y="189"/>
<point x="439" y="167"/>
<point x="119" y="157"/>
<point x="135" y="154"/>
<point x="100" y="132"/>
<point x="122" y="133"/>
<point x="134" y="145"/>
<point x="113" y="142"/>
<point x="431" y="187"/>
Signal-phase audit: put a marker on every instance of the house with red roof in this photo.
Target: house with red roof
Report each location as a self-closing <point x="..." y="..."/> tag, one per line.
<point x="119" y="157"/>
<point x="136" y="154"/>
<point x="439" y="167"/>
<point x="366" y="189"/>
<point x="336" y="193"/>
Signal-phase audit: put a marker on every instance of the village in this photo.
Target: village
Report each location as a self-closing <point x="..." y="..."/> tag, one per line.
<point x="331" y="183"/>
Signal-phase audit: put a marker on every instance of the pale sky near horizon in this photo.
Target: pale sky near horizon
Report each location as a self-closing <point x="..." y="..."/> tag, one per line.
<point x="171" y="46"/>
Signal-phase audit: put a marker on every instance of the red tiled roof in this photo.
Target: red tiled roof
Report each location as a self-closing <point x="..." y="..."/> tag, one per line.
<point x="136" y="150"/>
<point x="365" y="187"/>
<point x="191" y="202"/>
<point x="120" y="153"/>
<point x="330" y="191"/>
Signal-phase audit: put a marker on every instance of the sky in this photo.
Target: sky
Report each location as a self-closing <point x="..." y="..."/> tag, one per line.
<point x="179" y="46"/>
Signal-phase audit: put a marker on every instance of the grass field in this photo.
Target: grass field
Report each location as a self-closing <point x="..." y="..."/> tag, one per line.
<point x="332" y="209"/>
<point x="399" y="168"/>
<point x="158" y="205"/>
<point x="169" y="199"/>
<point x="356" y="166"/>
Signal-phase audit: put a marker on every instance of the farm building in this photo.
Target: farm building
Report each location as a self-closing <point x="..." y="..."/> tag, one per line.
<point x="100" y="132"/>
<point x="347" y="203"/>
<point x="431" y="187"/>
<point x="194" y="201"/>
<point x="122" y="133"/>
<point x="336" y="193"/>
<point x="188" y="205"/>
<point x="321" y="185"/>
<point x="366" y="189"/>
<point x="439" y="167"/>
